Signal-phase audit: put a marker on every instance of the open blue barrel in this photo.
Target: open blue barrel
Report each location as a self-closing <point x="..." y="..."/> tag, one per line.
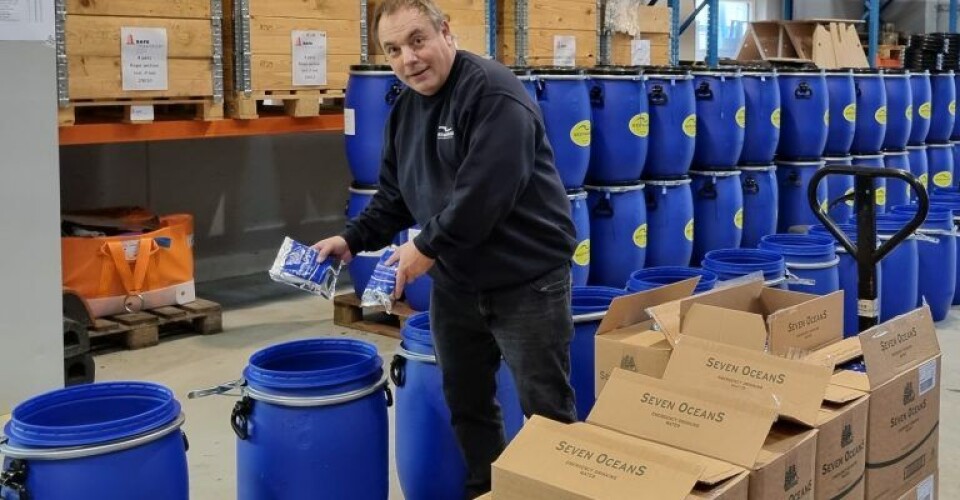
<point x="528" y="80"/>
<point x="620" y="126"/>
<point x="673" y="122"/>
<point x="917" y="158"/>
<point x="951" y="200"/>
<point x="618" y="232"/>
<point x="943" y="106"/>
<point x="760" y="203"/>
<point x="793" y="177"/>
<point x="898" y="191"/>
<point x="311" y="411"/>
<point x="655" y="277"/>
<point x="371" y="92"/>
<point x="762" y="132"/>
<point x="843" y="112"/>
<point x="589" y="306"/>
<point x="721" y="118"/>
<point x="730" y="263"/>
<point x="362" y="265"/>
<point x="580" y="269"/>
<point x="940" y="164"/>
<point x="717" y="211"/>
<point x="899" y="109"/>
<point x="849" y="279"/>
<point x="839" y="186"/>
<point x="811" y="258"/>
<point x="565" y="103"/>
<point x="417" y="293"/>
<point x="879" y="184"/>
<point x="111" y="440"/>
<point x="938" y="258"/>
<point x="429" y="461"/>
<point x="670" y="222"/>
<point x="920" y="91"/>
<point x="871" y="124"/>
<point x="804" y="114"/>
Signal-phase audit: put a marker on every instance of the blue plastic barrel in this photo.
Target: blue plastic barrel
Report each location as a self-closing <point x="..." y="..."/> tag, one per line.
<point x="956" y="155"/>
<point x="938" y="258"/>
<point x="839" y="186"/>
<point x="899" y="109"/>
<point x="717" y="211"/>
<point x="879" y="184"/>
<point x="730" y="263"/>
<point x="721" y="118"/>
<point x="429" y="461"/>
<point x="620" y="126"/>
<point x="940" y="164"/>
<point x="843" y="112"/>
<point x="898" y="191"/>
<point x="111" y="440"/>
<point x="618" y="232"/>
<point x="673" y="122"/>
<point x="361" y="267"/>
<point x="312" y="410"/>
<point x="901" y="267"/>
<point x="371" y="92"/>
<point x="804" y="114"/>
<point x="871" y="124"/>
<point x="920" y="91"/>
<point x="943" y="106"/>
<point x="589" y="306"/>
<point x="951" y="200"/>
<point x="955" y="133"/>
<point x="670" y="222"/>
<point x="654" y="277"/>
<point x="528" y="80"/>
<point x="917" y="158"/>
<point x="417" y="292"/>
<point x="762" y="132"/>
<point x="581" y="220"/>
<point x="848" y="278"/>
<point x="795" y="213"/>
<point x="565" y="103"/>
<point x="760" y="203"/>
<point x="811" y="258"/>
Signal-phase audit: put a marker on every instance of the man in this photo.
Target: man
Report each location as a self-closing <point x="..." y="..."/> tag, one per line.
<point x="466" y="157"/>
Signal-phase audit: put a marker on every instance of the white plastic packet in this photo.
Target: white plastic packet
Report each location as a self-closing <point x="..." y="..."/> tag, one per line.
<point x="298" y="265"/>
<point x="383" y="282"/>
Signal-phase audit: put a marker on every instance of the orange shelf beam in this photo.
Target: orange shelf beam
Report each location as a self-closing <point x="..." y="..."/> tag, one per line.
<point x="106" y="133"/>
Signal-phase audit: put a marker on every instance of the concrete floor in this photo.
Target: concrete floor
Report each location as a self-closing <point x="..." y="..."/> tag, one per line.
<point x="256" y="316"/>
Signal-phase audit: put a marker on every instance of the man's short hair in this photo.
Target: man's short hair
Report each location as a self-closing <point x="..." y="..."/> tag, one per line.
<point x="426" y="7"/>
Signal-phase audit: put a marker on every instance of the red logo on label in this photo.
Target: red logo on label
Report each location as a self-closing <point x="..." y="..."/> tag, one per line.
<point x="129" y="39"/>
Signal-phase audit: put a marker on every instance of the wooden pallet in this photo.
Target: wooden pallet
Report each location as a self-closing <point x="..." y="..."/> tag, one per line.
<point x="144" y="329"/>
<point x="347" y="312"/>
<point x="295" y="103"/>
<point x="129" y="110"/>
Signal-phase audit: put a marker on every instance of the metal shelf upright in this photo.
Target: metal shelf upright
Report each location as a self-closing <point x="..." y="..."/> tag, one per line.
<point x="677" y="29"/>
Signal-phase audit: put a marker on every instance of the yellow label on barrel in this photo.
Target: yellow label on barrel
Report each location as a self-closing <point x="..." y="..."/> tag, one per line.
<point x="580" y="133"/>
<point x="640" y="236"/>
<point x="738" y="219"/>
<point x="775" y="118"/>
<point x="581" y="256"/>
<point x="826" y="117"/>
<point x="688" y="230"/>
<point x="952" y="108"/>
<point x="881" y="115"/>
<point x="850" y="112"/>
<point x="742" y="116"/>
<point x="924" y="110"/>
<point x="942" y="179"/>
<point x="690" y="125"/>
<point x="909" y="112"/>
<point x="881" y="196"/>
<point x="850" y="194"/>
<point x="640" y="125"/>
<point x="924" y="179"/>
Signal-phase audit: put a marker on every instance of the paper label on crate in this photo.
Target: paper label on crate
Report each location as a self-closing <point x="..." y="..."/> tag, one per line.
<point x="639" y="52"/>
<point x="928" y="376"/>
<point x="925" y="489"/>
<point x="309" y="57"/>
<point x="143" y="58"/>
<point x="140" y="113"/>
<point x="564" y="50"/>
<point x="349" y="121"/>
<point x="130" y="249"/>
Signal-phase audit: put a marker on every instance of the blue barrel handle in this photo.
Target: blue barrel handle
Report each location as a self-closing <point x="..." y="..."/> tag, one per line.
<point x="596" y="95"/>
<point x="750" y="186"/>
<point x="240" y="417"/>
<point x="14" y="479"/>
<point x="856" y="87"/>
<point x="541" y="87"/>
<point x="803" y="90"/>
<point x="604" y="208"/>
<point x="708" y="191"/>
<point x="794" y="178"/>
<point x="398" y="372"/>
<point x="651" y="200"/>
<point x="657" y="96"/>
<point x="395" y="88"/>
<point x="704" y="92"/>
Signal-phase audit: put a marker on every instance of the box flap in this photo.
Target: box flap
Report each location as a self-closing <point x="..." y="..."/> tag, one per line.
<point x="782" y="440"/>
<point x="851" y="379"/>
<point x="847" y="349"/>
<point x="727" y="326"/>
<point x="839" y="395"/>
<point x="799" y="386"/>
<point x="800" y="322"/>
<point x="898" y="345"/>
<point x="723" y="426"/>
<point x="744" y="296"/>
<point x="629" y="309"/>
<point x="591" y="463"/>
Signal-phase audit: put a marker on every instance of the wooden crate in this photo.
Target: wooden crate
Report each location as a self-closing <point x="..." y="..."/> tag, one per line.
<point x="91" y="62"/>
<point x="546" y="20"/>
<point x="468" y="23"/>
<point x="348" y="313"/>
<point x="143" y="329"/>
<point x="653" y="25"/>
<point x="264" y="70"/>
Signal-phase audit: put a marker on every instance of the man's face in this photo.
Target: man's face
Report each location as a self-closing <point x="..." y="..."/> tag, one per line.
<point x="419" y="54"/>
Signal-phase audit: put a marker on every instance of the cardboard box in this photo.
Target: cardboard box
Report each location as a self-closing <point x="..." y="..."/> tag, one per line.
<point x="753" y="316"/>
<point x="926" y="490"/>
<point x="786" y="466"/>
<point x="841" y="444"/>
<point x="902" y="357"/>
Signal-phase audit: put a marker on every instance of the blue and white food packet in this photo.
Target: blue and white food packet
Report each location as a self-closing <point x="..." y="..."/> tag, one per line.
<point x="298" y="265"/>
<point x="383" y="281"/>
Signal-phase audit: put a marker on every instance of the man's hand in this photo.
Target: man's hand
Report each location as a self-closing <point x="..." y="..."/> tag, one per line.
<point x="334" y="246"/>
<point x="412" y="265"/>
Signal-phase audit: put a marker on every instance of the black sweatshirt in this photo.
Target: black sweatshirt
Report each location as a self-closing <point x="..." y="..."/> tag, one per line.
<point x="472" y="165"/>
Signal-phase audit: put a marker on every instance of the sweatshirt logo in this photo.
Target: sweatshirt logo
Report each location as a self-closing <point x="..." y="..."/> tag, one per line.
<point x="444" y="132"/>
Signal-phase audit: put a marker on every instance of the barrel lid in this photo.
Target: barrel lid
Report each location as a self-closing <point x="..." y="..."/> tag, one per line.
<point x="941" y="72"/>
<point x="757" y="168"/>
<point x="803" y="163"/>
<point x="920" y="72"/>
<point x="805" y="70"/>
<point x="896" y="72"/>
<point x="668" y="182"/>
<point x="939" y="145"/>
<point x="871" y="157"/>
<point x="837" y="158"/>
<point x="729" y="71"/>
<point x="838" y="71"/>
<point x="665" y="72"/>
<point x="866" y="71"/>
<point x="614" y="70"/>
<point x="616" y="188"/>
<point x="715" y="173"/>
<point x="576" y="194"/>
<point x="370" y="68"/>
<point x="917" y="147"/>
<point x="556" y="70"/>
<point x="895" y="153"/>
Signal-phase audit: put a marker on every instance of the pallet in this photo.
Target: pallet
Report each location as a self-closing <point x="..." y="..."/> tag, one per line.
<point x="128" y="111"/>
<point x="144" y="329"/>
<point x="295" y="103"/>
<point x="348" y="313"/>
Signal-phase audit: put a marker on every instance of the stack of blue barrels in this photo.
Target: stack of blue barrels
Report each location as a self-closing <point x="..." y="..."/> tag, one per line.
<point x="758" y="174"/>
